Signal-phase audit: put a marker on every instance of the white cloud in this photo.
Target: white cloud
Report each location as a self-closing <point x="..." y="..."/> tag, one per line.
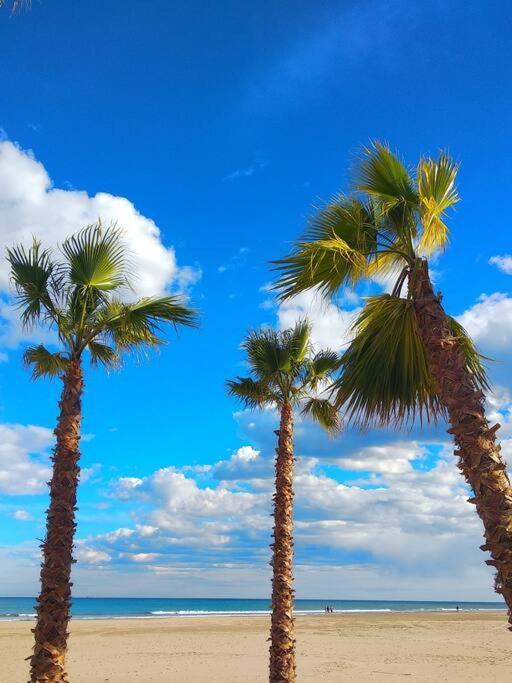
<point x="22" y="515"/>
<point x="409" y="517"/>
<point x="504" y="263"/>
<point x="245" y="463"/>
<point x="24" y="465"/>
<point x="489" y="321"/>
<point x="31" y="206"/>
<point x="86" y="555"/>
<point x="330" y="324"/>
<point x="393" y="458"/>
<point x="12" y="331"/>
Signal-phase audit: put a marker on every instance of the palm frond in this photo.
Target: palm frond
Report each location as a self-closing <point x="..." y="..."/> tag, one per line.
<point x="474" y="359"/>
<point x="104" y="354"/>
<point x="140" y="323"/>
<point x="386" y="377"/>
<point x="253" y="394"/>
<point x="44" y="363"/>
<point x="97" y="258"/>
<point x="324" y="364"/>
<point x="284" y="372"/>
<point x="333" y="252"/>
<point x="298" y="340"/>
<point x="437" y="193"/>
<point x="266" y="353"/>
<point x="31" y="273"/>
<point x="382" y="175"/>
<point x="164" y="309"/>
<point x="324" y="412"/>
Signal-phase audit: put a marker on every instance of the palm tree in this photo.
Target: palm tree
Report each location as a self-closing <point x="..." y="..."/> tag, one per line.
<point x="285" y="374"/>
<point x="408" y="357"/>
<point x="76" y="297"/>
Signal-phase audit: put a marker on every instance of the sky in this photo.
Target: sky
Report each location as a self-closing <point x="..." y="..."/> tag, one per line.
<point x="209" y="132"/>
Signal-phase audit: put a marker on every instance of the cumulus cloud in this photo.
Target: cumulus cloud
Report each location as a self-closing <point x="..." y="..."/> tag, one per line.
<point x="24" y="465"/>
<point x="393" y="458"/>
<point x="86" y="555"/>
<point x="330" y="324"/>
<point x="30" y="205"/>
<point x="245" y="463"/>
<point x="504" y="263"/>
<point x="408" y="515"/>
<point x="489" y="321"/>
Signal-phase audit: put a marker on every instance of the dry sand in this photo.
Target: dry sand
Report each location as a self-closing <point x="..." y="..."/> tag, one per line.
<point x="344" y="647"/>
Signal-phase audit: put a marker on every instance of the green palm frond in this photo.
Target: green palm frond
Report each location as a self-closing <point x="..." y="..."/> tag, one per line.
<point x="97" y="258"/>
<point x="79" y="299"/>
<point x="140" y="323"/>
<point x="437" y="193"/>
<point x="104" y="354"/>
<point x="386" y="376"/>
<point x="153" y="311"/>
<point x="474" y="359"/>
<point x="253" y="394"/>
<point x="382" y="175"/>
<point x="333" y="252"/>
<point x="266" y="354"/>
<point x="31" y="273"/>
<point x="297" y="341"/>
<point x="43" y="362"/>
<point x="324" y="412"/>
<point x="323" y="365"/>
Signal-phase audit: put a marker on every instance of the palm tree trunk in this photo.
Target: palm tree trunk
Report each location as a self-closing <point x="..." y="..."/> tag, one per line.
<point x="47" y="661"/>
<point x="476" y="447"/>
<point x="282" y="641"/>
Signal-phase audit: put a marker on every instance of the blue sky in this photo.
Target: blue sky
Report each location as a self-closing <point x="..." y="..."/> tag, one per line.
<point x="221" y="127"/>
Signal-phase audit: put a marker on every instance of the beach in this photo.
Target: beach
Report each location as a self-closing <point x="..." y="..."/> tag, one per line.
<point x="341" y="647"/>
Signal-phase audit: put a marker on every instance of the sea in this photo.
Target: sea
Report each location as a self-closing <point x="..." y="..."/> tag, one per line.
<point x="16" y="609"/>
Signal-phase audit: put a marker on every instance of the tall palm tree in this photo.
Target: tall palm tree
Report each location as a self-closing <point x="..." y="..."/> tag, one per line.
<point x="77" y="296"/>
<point x="408" y="356"/>
<point x="285" y="374"/>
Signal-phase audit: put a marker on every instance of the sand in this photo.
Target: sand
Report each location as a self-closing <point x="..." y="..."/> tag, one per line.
<point x="345" y="647"/>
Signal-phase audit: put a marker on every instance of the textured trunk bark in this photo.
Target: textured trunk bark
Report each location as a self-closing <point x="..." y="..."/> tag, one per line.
<point x="282" y="641"/>
<point x="479" y="455"/>
<point x="53" y="605"/>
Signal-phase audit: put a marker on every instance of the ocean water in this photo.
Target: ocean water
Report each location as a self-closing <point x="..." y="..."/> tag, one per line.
<point x="154" y="608"/>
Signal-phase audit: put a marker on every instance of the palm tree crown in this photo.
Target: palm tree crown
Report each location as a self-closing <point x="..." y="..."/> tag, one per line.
<point x="284" y="369"/>
<point x="80" y="297"/>
<point x="385" y="228"/>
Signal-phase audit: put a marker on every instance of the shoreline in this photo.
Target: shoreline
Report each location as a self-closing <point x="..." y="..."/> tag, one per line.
<point x="241" y="614"/>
